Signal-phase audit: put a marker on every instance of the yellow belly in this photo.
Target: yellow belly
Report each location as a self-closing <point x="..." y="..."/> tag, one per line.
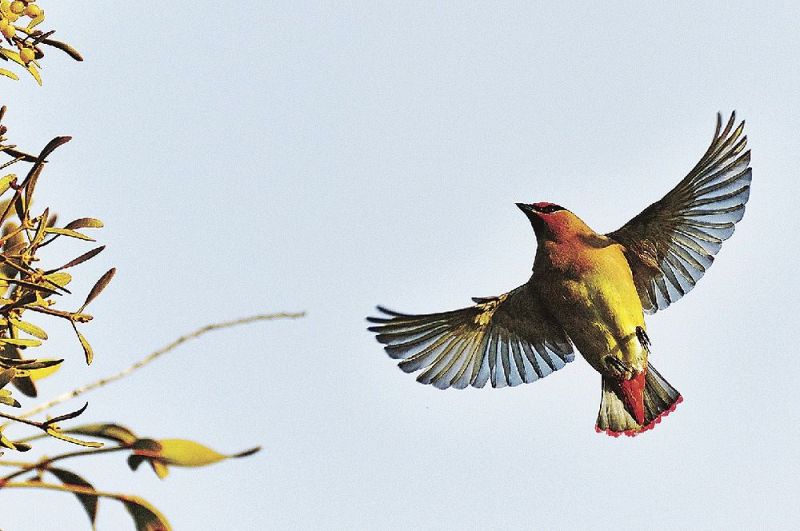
<point x="595" y="300"/>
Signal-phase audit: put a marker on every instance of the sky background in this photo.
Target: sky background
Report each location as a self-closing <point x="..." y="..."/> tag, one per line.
<point x="252" y="156"/>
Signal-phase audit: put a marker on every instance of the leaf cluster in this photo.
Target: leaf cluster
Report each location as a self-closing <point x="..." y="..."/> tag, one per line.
<point x="21" y="42"/>
<point x="28" y="288"/>
<point x="160" y="454"/>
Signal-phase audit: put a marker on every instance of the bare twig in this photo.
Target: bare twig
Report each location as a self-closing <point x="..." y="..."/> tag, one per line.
<point x="45" y="463"/>
<point x="152" y="357"/>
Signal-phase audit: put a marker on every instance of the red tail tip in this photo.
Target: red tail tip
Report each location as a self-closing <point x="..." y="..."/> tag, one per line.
<point x="650" y="426"/>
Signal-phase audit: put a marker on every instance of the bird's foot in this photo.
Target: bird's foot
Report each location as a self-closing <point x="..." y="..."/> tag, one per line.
<point x="618" y="368"/>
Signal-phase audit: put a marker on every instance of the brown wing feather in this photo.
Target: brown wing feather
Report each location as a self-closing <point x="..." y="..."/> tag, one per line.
<point x="505" y="340"/>
<point x="672" y="243"/>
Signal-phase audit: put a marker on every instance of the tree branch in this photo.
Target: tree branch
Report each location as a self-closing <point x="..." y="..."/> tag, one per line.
<point x="152" y="357"/>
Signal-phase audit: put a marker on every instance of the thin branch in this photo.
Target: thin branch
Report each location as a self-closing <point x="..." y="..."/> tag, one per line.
<point x="45" y="463"/>
<point x="153" y="356"/>
<point x="76" y="489"/>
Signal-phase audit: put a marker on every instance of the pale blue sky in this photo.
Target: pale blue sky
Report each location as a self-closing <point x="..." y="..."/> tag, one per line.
<point x="258" y="156"/>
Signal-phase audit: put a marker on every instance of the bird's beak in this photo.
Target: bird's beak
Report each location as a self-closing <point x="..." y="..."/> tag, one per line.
<point x="528" y="209"/>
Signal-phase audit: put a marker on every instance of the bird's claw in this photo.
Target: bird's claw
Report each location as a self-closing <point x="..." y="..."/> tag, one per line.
<point x="621" y="370"/>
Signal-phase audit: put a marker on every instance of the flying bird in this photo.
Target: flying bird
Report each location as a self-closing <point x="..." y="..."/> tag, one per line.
<point x="588" y="291"/>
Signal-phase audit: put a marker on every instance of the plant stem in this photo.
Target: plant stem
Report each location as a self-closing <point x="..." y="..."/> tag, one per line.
<point x="153" y="356"/>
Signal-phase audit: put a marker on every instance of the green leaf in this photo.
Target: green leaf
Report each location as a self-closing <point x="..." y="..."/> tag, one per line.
<point x="88" y="501"/>
<point x="114" y="432"/>
<point x="145" y="516"/>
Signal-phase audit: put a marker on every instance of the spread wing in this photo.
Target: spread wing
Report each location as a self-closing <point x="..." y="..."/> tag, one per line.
<point x="672" y="243"/>
<point x="507" y="340"/>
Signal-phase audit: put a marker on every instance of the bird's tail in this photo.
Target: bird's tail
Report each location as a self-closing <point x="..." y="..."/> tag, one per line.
<point x="615" y="419"/>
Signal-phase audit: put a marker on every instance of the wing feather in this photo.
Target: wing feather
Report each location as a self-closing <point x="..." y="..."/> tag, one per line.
<point x="672" y="243"/>
<point x="506" y="340"/>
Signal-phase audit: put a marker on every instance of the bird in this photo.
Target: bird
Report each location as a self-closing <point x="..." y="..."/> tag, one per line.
<point x="588" y="292"/>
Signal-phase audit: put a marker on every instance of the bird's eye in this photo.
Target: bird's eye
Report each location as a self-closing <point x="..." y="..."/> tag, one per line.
<point x="549" y="209"/>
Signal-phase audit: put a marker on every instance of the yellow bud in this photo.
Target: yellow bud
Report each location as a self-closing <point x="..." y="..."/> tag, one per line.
<point x="17" y="7"/>
<point x="33" y="11"/>
<point x="8" y="31"/>
<point x="27" y="55"/>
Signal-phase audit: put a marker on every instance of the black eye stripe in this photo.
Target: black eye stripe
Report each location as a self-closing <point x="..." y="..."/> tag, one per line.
<point x="549" y="209"/>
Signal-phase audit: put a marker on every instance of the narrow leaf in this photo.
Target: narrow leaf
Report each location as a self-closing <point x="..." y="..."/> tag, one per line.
<point x="82" y="258"/>
<point x="68" y="232"/>
<point x="88" y="501"/>
<point x="35" y="73"/>
<point x="20" y="342"/>
<point x="6" y="375"/>
<point x="8" y="73"/>
<point x="114" y="432"/>
<point x="7" y="399"/>
<point x="44" y="372"/>
<point x="84" y="223"/>
<point x="87" y="348"/>
<point x="5" y="182"/>
<point x="58" y="434"/>
<point x="68" y="416"/>
<point x="60" y="279"/>
<point x="29" y="328"/>
<point x="145" y="516"/>
<point x="11" y="445"/>
<point x="64" y="47"/>
<point x="181" y="452"/>
<point x="98" y="287"/>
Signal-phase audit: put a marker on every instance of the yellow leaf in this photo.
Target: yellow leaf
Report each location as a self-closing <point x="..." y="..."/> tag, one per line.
<point x="52" y="431"/>
<point x="68" y="232"/>
<point x="87" y="348"/>
<point x="145" y="516"/>
<point x="5" y="182"/>
<point x="115" y="432"/>
<point x="38" y="374"/>
<point x="89" y="501"/>
<point x="60" y="279"/>
<point x="6" y="375"/>
<point x="180" y="452"/>
<point x="8" y="73"/>
<point x="29" y="328"/>
<point x="35" y="21"/>
<point x="160" y="468"/>
<point x="14" y="56"/>
<point x="20" y="342"/>
<point x="34" y="73"/>
<point x="83" y="223"/>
